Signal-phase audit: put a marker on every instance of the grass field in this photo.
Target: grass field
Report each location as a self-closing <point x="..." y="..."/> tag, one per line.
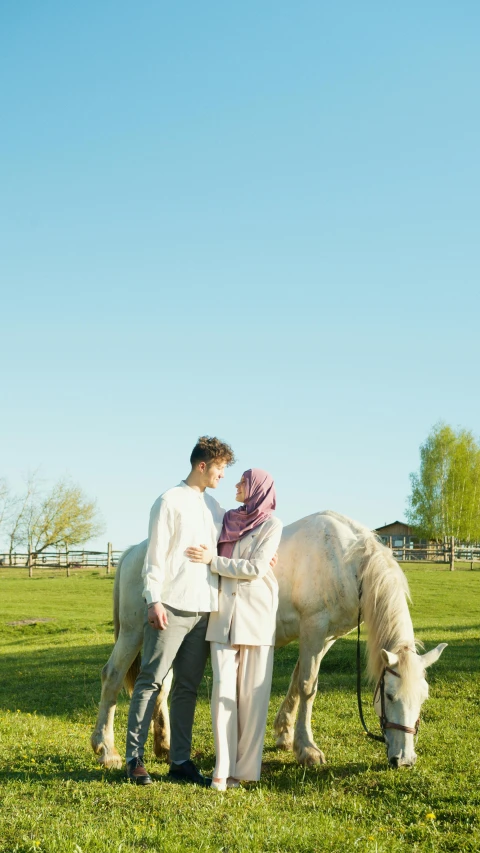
<point x="56" y="798"/>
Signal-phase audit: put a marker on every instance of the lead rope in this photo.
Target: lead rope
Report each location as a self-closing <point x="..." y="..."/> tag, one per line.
<point x="359" y="686"/>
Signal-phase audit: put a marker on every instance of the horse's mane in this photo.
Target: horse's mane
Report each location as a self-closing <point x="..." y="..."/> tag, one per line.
<point x="384" y="604"/>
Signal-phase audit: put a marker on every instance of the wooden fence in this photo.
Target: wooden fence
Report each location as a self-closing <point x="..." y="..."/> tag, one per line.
<point x="445" y="552"/>
<point x="67" y="560"/>
<point x="448" y="552"/>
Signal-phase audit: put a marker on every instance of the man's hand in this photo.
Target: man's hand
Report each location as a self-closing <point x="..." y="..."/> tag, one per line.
<point x="199" y="555"/>
<point x="157" y="616"/>
<point x="274" y="560"/>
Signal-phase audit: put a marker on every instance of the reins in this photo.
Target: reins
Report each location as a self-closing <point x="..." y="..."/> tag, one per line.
<point x="384" y="723"/>
<point x="359" y="676"/>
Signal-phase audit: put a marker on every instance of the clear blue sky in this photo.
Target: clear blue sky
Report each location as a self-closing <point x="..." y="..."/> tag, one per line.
<point x="256" y="220"/>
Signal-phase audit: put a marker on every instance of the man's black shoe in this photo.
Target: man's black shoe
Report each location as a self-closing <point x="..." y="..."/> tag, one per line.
<point x="137" y="773"/>
<point x="187" y="772"/>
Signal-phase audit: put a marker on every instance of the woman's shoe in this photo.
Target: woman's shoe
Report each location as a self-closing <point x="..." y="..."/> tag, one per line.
<point x="232" y="782"/>
<point x="221" y="785"/>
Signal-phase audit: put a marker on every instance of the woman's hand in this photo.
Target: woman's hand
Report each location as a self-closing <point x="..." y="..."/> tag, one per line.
<point x="199" y="555"/>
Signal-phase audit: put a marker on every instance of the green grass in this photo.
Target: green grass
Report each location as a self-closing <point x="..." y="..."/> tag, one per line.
<point x="56" y="798"/>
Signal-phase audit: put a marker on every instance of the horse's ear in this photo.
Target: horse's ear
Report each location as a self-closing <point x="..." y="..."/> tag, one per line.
<point x="433" y="655"/>
<point x="389" y="658"/>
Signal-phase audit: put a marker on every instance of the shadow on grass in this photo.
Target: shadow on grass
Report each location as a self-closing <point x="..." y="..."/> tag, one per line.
<point x="54" y="770"/>
<point x="276" y="774"/>
<point x="62" y="679"/>
<point x="54" y="681"/>
<point x="338" y="669"/>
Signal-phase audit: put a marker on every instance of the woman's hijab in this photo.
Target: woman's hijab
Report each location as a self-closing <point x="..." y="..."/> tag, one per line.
<point x="260" y="501"/>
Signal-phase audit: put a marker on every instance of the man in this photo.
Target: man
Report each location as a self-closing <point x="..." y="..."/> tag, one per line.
<point x="179" y="595"/>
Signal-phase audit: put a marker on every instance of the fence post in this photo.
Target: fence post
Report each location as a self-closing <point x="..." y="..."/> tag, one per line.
<point x="452" y="554"/>
<point x="29" y="563"/>
<point x="109" y="557"/>
<point x="66" y="561"/>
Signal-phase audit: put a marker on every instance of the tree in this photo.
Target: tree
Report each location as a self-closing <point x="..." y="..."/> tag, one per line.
<point x="7" y="506"/>
<point x="19" y="507"/>
<point x="5" y="501"/>
<point x="445" y="498"/>
<point x="37" y="519"/>
<point x="61" y="518"/>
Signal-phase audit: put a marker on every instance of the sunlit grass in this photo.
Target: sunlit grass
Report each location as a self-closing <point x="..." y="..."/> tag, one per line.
<point x="56" y="798"/>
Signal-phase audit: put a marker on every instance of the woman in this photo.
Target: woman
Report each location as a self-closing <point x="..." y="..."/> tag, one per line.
<point x="242" y="631"/>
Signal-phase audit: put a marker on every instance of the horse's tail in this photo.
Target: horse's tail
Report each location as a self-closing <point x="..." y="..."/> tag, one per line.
<point x="131" y="675"/>
<point x="134" y="668"/>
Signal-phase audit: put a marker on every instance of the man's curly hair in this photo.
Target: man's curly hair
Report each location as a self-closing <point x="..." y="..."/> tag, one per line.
<point x="209" y="449"/>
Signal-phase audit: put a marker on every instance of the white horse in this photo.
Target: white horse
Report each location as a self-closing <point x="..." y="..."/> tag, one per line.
<point x="327" y="567"/>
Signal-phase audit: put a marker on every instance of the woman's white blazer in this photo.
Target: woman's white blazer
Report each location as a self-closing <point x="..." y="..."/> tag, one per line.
<point x="248" y="593"/>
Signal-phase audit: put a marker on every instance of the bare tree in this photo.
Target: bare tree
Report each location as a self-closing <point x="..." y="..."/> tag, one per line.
<point x="5" y="500"/>
<point x="20" y="509"/>
<point x="7" y="503"/>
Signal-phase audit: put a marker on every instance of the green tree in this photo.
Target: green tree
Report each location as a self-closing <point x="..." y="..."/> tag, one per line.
<point x="59" y="518"/>
<point x="445" y="498"/>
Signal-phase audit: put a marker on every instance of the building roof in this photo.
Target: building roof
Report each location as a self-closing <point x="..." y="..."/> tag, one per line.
<point x="399" y="524"/>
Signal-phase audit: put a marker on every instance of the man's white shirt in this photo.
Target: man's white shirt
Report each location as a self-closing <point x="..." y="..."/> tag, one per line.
<point x="181" y="518"/>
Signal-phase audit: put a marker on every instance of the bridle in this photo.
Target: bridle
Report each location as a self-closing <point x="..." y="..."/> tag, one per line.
<point x="384" y="723"/>
<point x="380" y="689"/>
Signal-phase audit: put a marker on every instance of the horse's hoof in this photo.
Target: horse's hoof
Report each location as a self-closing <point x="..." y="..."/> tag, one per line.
<point x="107" y="757"/>
<point x="308" y="756"/>
<point x="285" y="742"/>
<point x="111" y="760"/>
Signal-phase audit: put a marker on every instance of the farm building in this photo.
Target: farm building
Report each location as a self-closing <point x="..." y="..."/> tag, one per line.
<point x="397" y="534"/>
<point x="401" y="538"/>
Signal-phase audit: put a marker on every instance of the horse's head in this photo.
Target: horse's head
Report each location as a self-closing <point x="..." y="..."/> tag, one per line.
<point x="400" y="693"/>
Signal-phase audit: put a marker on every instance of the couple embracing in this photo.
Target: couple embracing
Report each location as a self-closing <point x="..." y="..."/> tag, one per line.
<point x="209" y="586"/>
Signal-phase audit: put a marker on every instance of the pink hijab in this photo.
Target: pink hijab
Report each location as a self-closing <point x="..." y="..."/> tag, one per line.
<point x="259" y="505"/>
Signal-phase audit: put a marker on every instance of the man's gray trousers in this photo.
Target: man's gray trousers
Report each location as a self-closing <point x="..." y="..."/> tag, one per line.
<point x="181" y="645"/>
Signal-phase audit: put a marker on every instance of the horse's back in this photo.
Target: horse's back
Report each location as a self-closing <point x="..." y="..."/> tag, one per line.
<point x="316" y="579"/>
<point x="321" y="541"/>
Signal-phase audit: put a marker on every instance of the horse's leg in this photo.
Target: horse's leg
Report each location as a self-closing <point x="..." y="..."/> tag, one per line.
<point x="161" y="720"/>
<point x="113" y="675"/>
<point x="312" y="650"/>
<point x="285" y="719"/>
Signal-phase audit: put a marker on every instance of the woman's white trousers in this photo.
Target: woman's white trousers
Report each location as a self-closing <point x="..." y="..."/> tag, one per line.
<point x="242" y="678"/>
